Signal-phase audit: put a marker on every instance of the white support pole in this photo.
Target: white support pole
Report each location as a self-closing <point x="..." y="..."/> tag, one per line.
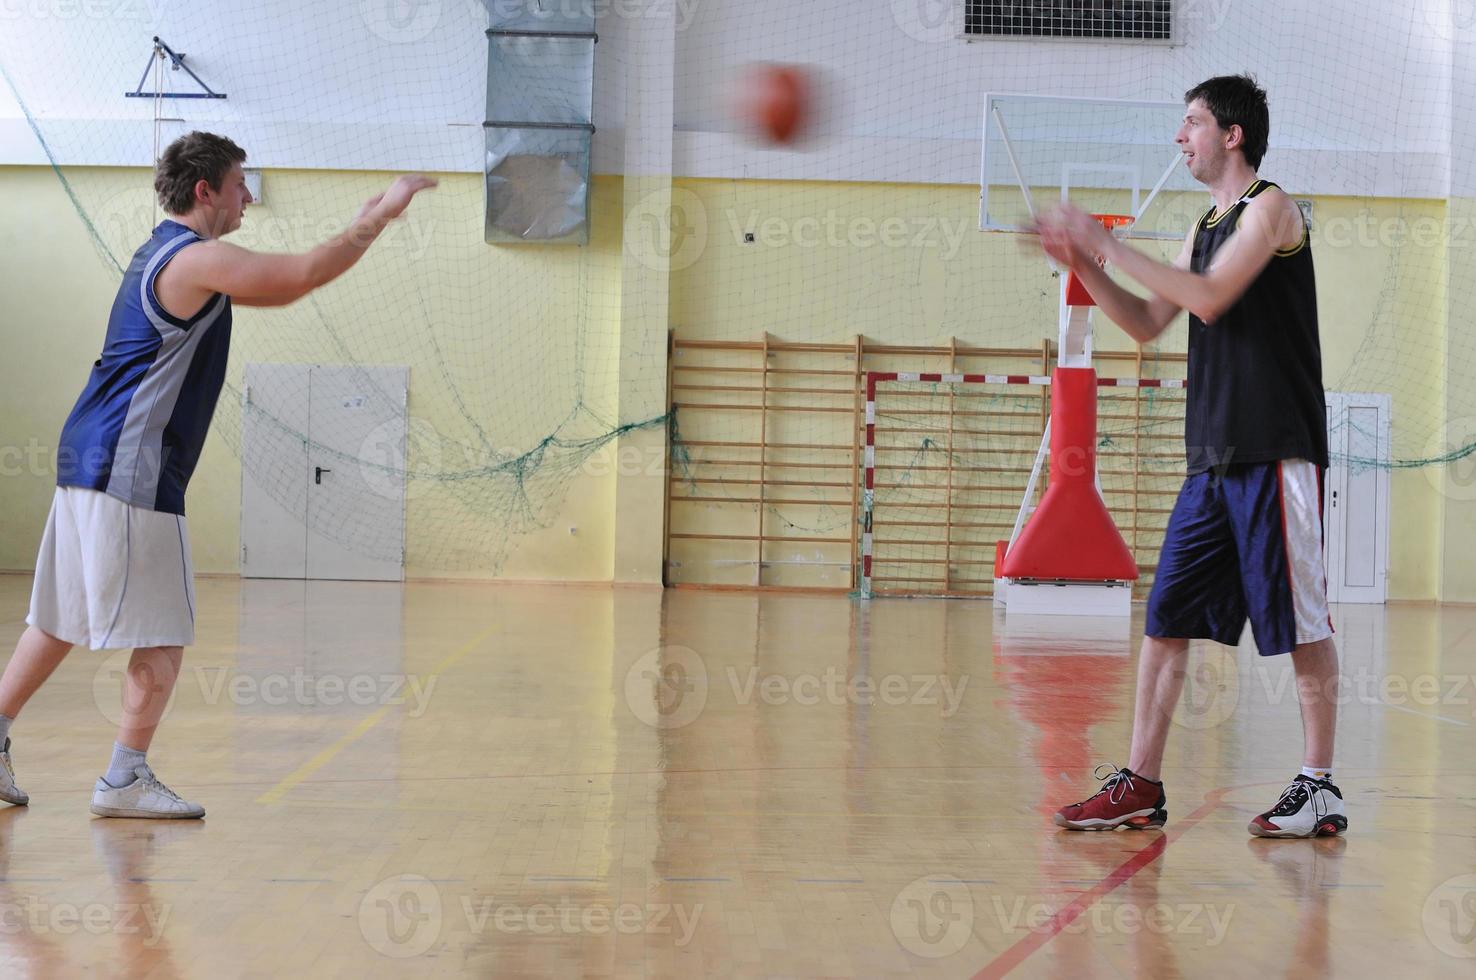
<point x="1014" y="163"/>
<point x="1019" y="176"/>
<point x="1076" y="338"/>
<point x="1040" y="455"/>
<point x="1173" y="165"/>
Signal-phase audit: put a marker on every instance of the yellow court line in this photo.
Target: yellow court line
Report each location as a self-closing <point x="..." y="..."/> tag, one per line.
<point x="275" y="794"/>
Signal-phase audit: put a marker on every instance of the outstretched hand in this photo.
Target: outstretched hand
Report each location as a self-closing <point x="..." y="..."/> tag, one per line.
<point x="1059" y="246"/>
<point x="1073" y="237"/>
<point x="393" y="202"/>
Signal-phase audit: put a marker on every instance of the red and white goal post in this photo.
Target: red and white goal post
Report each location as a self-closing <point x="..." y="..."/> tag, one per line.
<point x="979" y="442"/>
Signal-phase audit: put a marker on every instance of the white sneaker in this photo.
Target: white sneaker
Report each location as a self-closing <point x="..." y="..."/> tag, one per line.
<point x="9" y="791"/>
<point x="144" y="797"/>
<point x="1307" y="808"/>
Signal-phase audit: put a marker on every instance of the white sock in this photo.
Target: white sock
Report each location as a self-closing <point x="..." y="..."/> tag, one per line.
<point x="5" y="721"/>
<point x="1318" y="772"/>
<point x="120" y="769"/>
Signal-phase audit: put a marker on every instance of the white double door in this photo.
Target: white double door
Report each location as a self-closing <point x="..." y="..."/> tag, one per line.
<point x="323" y="472"/>
<point x="1355" y="497"/>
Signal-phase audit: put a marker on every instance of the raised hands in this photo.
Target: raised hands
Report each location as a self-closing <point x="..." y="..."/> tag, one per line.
<point x="1072" y="237"/>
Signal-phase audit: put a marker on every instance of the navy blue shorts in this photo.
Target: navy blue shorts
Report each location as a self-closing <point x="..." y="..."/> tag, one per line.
<point x="1244" y="544"/>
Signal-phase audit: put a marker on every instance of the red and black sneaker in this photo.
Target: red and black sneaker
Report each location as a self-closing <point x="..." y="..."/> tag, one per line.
<point x="1125" y="800"/>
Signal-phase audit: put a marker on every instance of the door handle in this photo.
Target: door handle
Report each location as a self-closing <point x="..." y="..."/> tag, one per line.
<point x="318" y="472"/>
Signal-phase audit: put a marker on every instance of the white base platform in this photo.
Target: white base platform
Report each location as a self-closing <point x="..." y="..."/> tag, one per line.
<point x="1063" y="598"/>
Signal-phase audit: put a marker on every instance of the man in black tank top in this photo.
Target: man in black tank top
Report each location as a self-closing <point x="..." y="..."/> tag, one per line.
<point x="1245" y="538"/>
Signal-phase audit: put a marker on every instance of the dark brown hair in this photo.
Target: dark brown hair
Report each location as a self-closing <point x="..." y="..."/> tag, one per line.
<point x="1236" y="100"/>
<point x="187" y="161"/>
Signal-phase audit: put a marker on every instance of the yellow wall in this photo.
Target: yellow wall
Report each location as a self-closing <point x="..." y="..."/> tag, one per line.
<point x="1457" y="482"/>
<point x="523" y="333"/>
<point x="992" y="290"/>
<point x="58" y="295"/>
<point x="527" y="332"/>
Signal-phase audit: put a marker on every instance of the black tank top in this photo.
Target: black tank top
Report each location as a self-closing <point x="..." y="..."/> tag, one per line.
<point x="1255" y="375"/>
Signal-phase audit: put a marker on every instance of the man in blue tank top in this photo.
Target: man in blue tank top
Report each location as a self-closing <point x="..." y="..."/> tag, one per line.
<point x="1245" y="537"/>
<point x="114" y="566"/>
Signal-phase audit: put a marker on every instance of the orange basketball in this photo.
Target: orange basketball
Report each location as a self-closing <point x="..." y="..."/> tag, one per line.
<point x="774" y="100"/>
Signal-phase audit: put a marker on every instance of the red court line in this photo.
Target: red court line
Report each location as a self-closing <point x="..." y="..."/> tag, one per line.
<point x="1022" y="950"/>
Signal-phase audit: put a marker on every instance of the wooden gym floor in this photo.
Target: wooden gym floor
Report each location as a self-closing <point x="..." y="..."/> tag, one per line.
<point x="467" y="780"/>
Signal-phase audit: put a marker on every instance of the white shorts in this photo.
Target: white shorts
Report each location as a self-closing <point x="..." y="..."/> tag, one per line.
<point x="111" y="575"/>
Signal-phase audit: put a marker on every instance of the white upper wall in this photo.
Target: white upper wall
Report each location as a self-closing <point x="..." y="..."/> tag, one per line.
<point x="1360" y="100"/>
<point x="315" y="84"/>
<point x="1462" y="106"/>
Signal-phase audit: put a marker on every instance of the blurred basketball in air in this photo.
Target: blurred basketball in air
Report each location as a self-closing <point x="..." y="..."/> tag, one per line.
<point x="774" y="101"/>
